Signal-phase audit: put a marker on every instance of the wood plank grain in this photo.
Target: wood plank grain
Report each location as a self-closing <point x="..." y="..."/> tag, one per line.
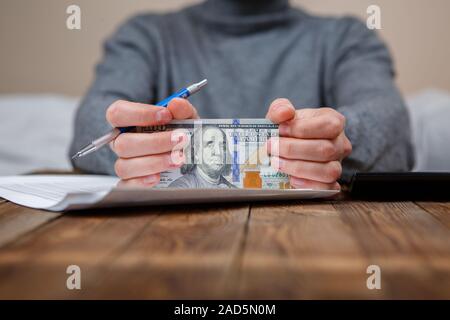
<point x="298" y="250"/>
<point x="439" y="210"/>
<point x="16" y="221"/>
<point x="187" y="254"/>
<point x="302" y="251"/>
<point x="156" y="252"/>
<point x="35" y="265"/>
<point x="411" y="247"/>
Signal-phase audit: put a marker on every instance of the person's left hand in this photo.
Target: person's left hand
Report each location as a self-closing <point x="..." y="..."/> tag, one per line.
<point x="311" y="146"/>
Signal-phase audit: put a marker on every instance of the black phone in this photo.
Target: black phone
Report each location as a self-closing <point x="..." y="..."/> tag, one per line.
<point x="424" y="186"/>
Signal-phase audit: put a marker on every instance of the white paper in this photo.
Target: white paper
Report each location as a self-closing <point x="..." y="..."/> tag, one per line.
<point x="73" y="192"/>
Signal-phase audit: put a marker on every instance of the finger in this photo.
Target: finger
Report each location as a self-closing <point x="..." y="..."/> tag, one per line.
<point x="182" y="109"/>
<point x="280" y="110"/>
<point x="328" y="172"/>
<point x="130" y="145"/>
<point x="125" y="114"/>
<point x="298" y="183"/>
<point x="147" y="181"/>
<point x="144" y="166"/>
<point x="318" y="150"/>
<point x="320" y="127"/>
<point x="307" y="113"/>
<point x="348" y="148"/>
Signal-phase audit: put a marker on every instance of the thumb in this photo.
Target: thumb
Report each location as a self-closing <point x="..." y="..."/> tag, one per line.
<point x="182" y="109"/>
<point x="281" y="110"/>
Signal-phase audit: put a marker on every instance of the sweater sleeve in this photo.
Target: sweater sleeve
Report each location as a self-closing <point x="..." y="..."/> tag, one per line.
<point x="360" y="85"/>
<point x="125" y="72"/>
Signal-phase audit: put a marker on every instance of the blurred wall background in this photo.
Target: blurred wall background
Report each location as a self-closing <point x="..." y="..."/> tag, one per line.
<point x="40" y="55"/>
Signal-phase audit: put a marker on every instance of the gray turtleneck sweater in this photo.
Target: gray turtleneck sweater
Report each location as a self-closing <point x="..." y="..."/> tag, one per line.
<point x="253" y="51"/>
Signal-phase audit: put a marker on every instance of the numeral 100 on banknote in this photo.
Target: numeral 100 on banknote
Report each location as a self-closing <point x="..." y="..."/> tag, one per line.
<point x="224" y="153"/>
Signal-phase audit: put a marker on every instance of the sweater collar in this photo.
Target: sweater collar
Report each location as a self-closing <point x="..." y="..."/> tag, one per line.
<point x="246" y="7"/>
<point x="245" y="16"/>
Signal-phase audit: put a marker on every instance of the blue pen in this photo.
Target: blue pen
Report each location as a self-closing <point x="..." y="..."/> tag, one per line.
<point x="107" y="138"/>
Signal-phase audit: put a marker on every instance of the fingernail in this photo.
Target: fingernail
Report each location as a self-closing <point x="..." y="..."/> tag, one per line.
<point x="274" y="146"/>
<point x="284" y="130"/>
<point x="176" y="138"/>
<point x="280" y="106"/>
<point x="268" y="146"/>
<point x="150" y="179"/>
<point x="276" y="163"/>
<point x="182" y="138"/>
<point x="163" y="116"/>
<point x="176" y="158"/>
<point x="297" y="182"/>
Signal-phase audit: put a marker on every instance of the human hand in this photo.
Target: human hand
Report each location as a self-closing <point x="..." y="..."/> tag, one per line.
<point x="143" y="156"/>
<point x="311" y="146"/>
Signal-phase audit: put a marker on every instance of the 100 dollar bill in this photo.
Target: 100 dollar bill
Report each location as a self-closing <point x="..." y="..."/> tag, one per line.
<point x="223" y="153"/>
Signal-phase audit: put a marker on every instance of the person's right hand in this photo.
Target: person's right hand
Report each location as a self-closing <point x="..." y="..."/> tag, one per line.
<point x="143" y="156"/>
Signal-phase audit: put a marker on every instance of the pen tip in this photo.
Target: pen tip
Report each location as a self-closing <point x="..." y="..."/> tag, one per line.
<point x="202" y="83"/>
<point x="75" y="156"/>
<point x="197" y="86"/>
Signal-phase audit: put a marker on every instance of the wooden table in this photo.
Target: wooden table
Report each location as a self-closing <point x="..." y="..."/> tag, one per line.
<point x="291" y="250"/>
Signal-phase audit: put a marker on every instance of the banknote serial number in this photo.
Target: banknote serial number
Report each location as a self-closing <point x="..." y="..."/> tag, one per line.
<point x="226" y="309"/>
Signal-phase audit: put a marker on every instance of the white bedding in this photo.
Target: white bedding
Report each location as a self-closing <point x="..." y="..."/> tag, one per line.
<point x="35" y="131"/>
<point x="430" y="122"/>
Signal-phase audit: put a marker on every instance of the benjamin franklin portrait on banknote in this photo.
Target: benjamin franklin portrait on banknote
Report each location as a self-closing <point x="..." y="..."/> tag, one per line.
<point x="210" y="165"/>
